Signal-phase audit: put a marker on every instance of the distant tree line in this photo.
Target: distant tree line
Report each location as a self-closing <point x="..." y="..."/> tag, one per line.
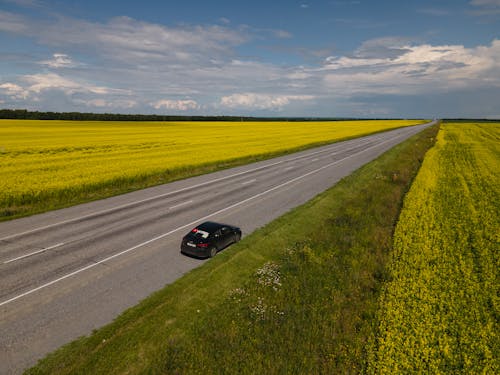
<point x="23" y="114"/>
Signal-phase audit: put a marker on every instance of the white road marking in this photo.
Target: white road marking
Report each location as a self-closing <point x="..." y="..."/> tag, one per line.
<point x="34" y="253"/>
<point x="249" y="182"/>
<point x="181" y="204"/>
<point x="288" y="168"/>
<point x="315" y="159"/>
<point x="190" y="224"/>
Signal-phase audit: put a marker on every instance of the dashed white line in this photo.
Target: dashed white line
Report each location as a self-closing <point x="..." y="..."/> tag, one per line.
<point x="180" y="204"/>
<point x="249" y="182"/>
<point x="34" y="253"/>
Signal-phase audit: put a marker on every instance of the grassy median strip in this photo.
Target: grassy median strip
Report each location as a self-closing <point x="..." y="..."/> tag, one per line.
<point x="298" y="296"/>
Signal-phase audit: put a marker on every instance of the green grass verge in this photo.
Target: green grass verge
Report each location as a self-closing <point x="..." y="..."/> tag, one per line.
<point x="297" y="296"/>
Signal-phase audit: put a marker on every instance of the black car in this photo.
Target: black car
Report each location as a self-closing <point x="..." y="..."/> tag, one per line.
<point x="208" y="238"/>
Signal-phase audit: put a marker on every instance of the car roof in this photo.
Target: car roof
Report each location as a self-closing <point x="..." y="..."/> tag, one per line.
<point x="210" y="226"/>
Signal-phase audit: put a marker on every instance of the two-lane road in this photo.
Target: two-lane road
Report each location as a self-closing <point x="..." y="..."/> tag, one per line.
<point x="67" y="272"/>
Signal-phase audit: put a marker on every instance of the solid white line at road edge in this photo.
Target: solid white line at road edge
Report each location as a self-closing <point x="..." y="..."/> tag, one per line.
<point x="189" y="224"/>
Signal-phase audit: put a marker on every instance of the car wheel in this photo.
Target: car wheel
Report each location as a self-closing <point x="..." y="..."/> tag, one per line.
<point x="213" y="252"/>
<point x="237" y="238"/>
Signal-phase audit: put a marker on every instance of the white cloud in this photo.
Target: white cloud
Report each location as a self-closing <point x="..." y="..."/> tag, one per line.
<point x="282" y="34"/>
<point x="14" y="91"/>
<point x="260" y="101"/>
<point x="52" y="81"/>
<point x="178" y="105"/>
<point x="34" y="86"/>
<point x="485" y="7"/>
<point x="94" y="102"/>
<point x="417" y="69"/>
<point x="129" y="41"/>
<point x="103" y="103"/>
<point x="59" y="60"/>
<point x="13" y="23"/>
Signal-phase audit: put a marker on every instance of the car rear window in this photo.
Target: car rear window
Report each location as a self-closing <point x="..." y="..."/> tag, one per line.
<point x="200" y="233"/>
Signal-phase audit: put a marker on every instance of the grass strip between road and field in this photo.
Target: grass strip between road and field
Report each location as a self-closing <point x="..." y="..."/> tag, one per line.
<point x="298" y="296"/>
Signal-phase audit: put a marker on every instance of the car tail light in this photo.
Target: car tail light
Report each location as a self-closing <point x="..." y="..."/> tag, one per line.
<point x="202" y="245"/>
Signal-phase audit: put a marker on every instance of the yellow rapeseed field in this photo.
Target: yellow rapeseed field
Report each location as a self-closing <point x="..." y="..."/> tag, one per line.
<point x="71" y="161"/>
<point x="439" y="313"/>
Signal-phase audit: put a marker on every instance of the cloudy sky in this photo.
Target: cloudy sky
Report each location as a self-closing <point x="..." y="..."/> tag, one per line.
<point x="330" y="58"/>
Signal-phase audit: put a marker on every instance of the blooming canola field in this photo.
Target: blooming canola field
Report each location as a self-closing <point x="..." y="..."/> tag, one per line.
<point x="439" y="313"/>
<point x="48" y="164"/>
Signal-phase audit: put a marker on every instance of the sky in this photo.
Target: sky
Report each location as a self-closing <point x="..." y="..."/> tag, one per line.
<point x="331" y="58"/>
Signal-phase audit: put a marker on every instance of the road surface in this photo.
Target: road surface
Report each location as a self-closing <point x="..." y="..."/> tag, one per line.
<point x="70" y="271"/>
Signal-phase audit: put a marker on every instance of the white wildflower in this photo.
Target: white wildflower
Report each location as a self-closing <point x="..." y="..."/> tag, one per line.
<point x="237" y="294"/>
<point x="259" y="309"/>
<point x="269" y="275"/>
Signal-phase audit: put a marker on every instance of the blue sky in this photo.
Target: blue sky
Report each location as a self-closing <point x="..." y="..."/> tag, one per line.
<point x="331" y="58"/>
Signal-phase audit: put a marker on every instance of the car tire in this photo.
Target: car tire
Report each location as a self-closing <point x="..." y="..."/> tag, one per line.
<point x="212" y="252"/>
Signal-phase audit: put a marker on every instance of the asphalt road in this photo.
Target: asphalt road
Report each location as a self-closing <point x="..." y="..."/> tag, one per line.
<point x="67" y="272"/>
